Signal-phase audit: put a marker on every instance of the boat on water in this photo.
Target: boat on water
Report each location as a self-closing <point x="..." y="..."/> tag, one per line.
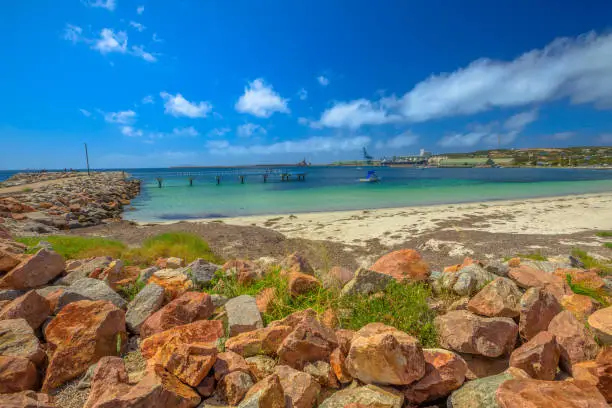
<point x="371" y="177"/>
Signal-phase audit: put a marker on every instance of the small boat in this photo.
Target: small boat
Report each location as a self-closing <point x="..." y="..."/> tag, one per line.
<point x="371" y="177"/>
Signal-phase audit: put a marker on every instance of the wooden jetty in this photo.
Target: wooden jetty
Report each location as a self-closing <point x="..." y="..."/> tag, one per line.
<point x="240" y="175"/>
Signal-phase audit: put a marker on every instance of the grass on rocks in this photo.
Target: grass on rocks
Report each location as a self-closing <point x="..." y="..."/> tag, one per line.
<point x="604" y="234"/>
<point x="178" y="244"/>
<point x="592" y="263"/>
<point x="130" y="291"/>
<point x="581" y="289"/>
<point x="403" y="306"/>
<point x="536" y="256"/>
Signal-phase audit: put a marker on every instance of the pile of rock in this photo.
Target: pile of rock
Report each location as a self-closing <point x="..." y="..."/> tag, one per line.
<point x="67" y="204"/>
<point x="20" y="179"/>
<point x="516" y="340"/>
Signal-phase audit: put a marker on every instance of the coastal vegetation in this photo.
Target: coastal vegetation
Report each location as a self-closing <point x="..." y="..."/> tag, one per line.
<point x="590" y="262"/>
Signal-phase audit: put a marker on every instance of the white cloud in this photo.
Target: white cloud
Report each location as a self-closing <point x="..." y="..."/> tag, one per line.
<point x="250" y="129"/>
<point x="302" y="94"/>
<point x="140" y="10"/>
<point x="131" y="132"/>
<point x="85" y="112"/>
<point x="73" y="33"/>
<point x="148" y="99"/>
<point x="324" y="81"/>
<point x="403" y="140"/>
<point x="520" y="120"/>
<point x="122" y="117"/>
<point x="186" y="131"/>
<point x="138" y="26"/>
<point x="107" y="4"/>
<point x="311" y="145"/>
<point x="462" y="139"/>
<point x="574" y="68"/>
<point x="140" y="52"/>
<point x="218" y="132"/>
<point x="562" y="135"/>
<point x="111" y="42"/>
<point x="177" y="105"/>
<point x="260" y="100"/>
<point x="357" y="113"/>
<point x="155" y="38"/>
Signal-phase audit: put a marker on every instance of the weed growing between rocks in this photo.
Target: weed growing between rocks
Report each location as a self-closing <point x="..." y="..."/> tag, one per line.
<point x="72" y="247"/>
<point x="581" y="289"/>
<point x="130" y="291"/>
<point x="536" y="256"/>
<point x="592" y="263"/>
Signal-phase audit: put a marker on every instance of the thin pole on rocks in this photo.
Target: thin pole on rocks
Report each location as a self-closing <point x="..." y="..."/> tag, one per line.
<point x="87" y="158"/>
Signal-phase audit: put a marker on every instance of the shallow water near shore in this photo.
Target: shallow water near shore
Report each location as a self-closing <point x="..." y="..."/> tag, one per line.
<point x="335" y="189"/>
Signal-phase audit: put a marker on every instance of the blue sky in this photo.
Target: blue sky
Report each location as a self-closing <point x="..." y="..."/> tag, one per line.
<point x="148" y="83"/>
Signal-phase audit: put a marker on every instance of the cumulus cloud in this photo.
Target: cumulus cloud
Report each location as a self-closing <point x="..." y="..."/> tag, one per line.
<point x="357" y="113"/>
<point x="148" y="100"/>
<point x="106" y="4"/>
<point x="302" y="94"/>
<point x="110" y="41"/>
<point x="562" y="135"/>
<point x="177" y="105"/>
<point x="131" y="131"/>
<point x="138" y="26"/>
<point x="250" y="129"/>
<point x="324" y="81"/>
<point x="491" y="134"/>
<point x="402" y="140"/>
<point x="155" y="38"/>
<point x="73" y="33"/>
<point x="217" y="132"/>
<point x="260" y="99"/>
<point x="185" y="131"/>
<point x="577" y="69"/>
<point x="310" y="145"/>
<point x="140" y="10"/>
<point x="140" y="52"/>
<point x="122" y="117"/>
<point x="85" y="112"/>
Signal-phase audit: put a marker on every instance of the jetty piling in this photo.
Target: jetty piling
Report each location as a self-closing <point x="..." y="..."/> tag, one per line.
<point x="240" y="174"/>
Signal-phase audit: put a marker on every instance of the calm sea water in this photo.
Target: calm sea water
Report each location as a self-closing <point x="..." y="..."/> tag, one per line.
<point x="334" y="188"/>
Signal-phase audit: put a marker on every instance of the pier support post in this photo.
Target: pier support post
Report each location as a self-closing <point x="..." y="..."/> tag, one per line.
<point x="241" y="179"/>
<point x="159" y="181"/>
<point x="218" y="180"/>
<point x="265" y="177"/>
<point x="190" y="181"/>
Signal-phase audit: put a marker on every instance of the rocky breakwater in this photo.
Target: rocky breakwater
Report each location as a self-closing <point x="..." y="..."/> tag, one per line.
<point x="508" y="341"/>
<point x="66" y="202"/>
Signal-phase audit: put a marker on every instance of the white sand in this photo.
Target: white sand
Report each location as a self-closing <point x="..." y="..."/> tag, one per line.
<point x="551" y="215"/>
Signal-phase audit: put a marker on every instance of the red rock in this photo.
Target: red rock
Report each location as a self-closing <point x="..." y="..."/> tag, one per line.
<point x="337" y="360"/>
<point x="261" y="366"/>
<point x="207" y="387"/>
<point x="527" y="277"/>
<point x="201" y="331"/>
<point x="322" y="373"/>
<point x="157" y="388"/>
<point x="53" y="298"/>
<point x="589" y="278"/>
<point x="300" y="283"/>
<point x="499" y="298"/>
<point x="296" y="263"/>
<point x="26" y="399"/>
<point x="580" y="305"/>
<point x="260" y="341"/>
<point x="267" y="393"/>
<point x="245" y="271"/>
<point x="17" y="339"/>
<point x="81" y="334"/>
<point x="228" y="362"/>
<point x="329" y="318"/>
<point x="444" y="372"/>
<point x="538" y="307"/>
<point x="309" y="341"/>
<point x="596" y="373"/>
<point x="547" y="394"/>
<point x="8" y="260"/>
<point x="301" y="390"/>
<point x="234" y="386"/>
<point x="189" y="362"/>
<point x="187" y="308"/>
<point x="174" y="282"/>
<point x="32" y="307"/>
<point x="381" y="354"/>
<point x="4" y="233"/>
<point x="345" y="337"/>
<point x="601" y="324"/>
<point x="34" y="271"/>
<point x="340" y="275"/>
<point x="17" y="374"/>
<point x="481" y="366"/>
<point x="539" y="357"/>
<point x="465" y="332"/>
<point x="264" y="299"/>
<point x="405" y="264"/>
<point x="295" y="318"/>
<point x="575" y="342"/>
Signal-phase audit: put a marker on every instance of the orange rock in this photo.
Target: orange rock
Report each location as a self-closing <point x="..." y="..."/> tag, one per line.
<point x="17" y="339"/>
<point x="53" y="298"/>
<point x="300" y="283"/>
<point x="174" y="282"/>
<point x="301" y="390"/>
<point x="267" y="393"/>
<point x="575" y="341"/>
<point x="539" y="357"/>
<point x="547" y="394"/>
<point x="499" y="298"/>
<point x="537" y="308"/>
<point x="382" y="354"/>
<point x="17" y="374"/>
<point x="514" y="262"/>
<point x="34" y="271"/>
<point x="26" y="399"/>
<point x="338" y="365"/>
<point x="8" y="260"/>
<point x="201" y="331"/>
<point x="597" y="373"/>
<point x="189" y="362"/>
<point x="264" y="299"/>
<point x="481" y="366"/>
<point x="454" y="268"/>
<point x="345" y="337"/>
<point x="296" y="263"/>
<point x="228" y="362"/>
<point x="234" y="386"/>
<point x="32" y="307"/>
<point x="79" y="336"/>
<point x="309" y="341"/>
<point x="589" y="278"/>
<point x="405" y="264"/>
<point x="601" y="324"/>
<point x="245" y="271"/>
<point x="330" y="319"/>
<point x="581" y="306"/>
<point x="528" y="277"/>
<point x="187" y="308"/>
<point x="260" y="341"/>
<point x="322" y="373"/>
<point x="444" y="372"/>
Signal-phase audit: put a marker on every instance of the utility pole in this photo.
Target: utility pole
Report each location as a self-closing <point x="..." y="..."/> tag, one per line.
<point x="87" y="158"/>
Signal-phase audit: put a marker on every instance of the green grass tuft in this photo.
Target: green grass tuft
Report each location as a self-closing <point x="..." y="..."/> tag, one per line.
<point x="183" y="245"/>
<point x="73" y="247"/>
<point x="608" y="245"/>
<point x="403" y="306"/>
<point x="130" y="291"/>
<point x="592" y="263"/>
<point x="536" y="256"/>
<point x="580" y="289"/>
<point x="604" y="234"/>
